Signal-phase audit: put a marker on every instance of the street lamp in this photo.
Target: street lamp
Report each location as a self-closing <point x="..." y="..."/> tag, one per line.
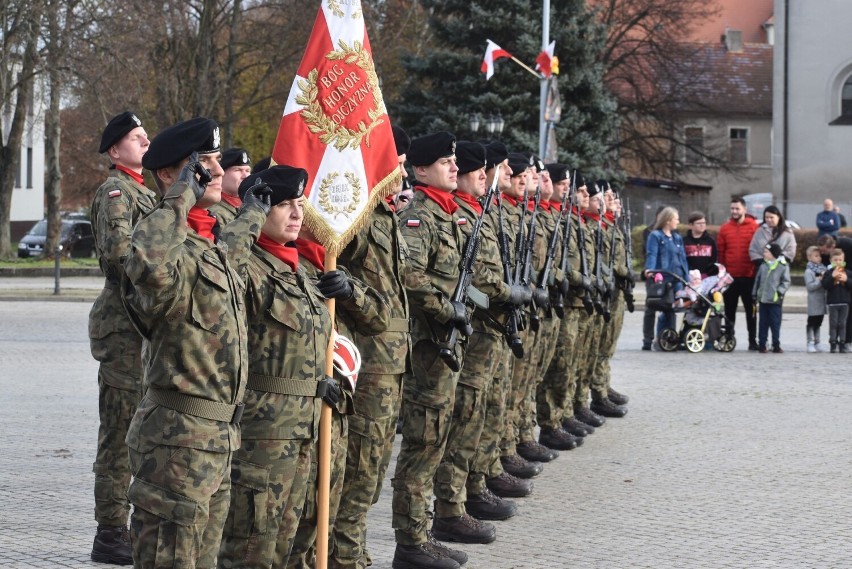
<point x="473" y="122"/>
<point x="495" y="124"/>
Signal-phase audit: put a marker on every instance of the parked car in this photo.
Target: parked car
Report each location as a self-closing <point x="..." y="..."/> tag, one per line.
<point x="75" y="237"/>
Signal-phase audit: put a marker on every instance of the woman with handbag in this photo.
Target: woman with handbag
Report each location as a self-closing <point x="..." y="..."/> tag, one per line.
<point x="665" y="252"/>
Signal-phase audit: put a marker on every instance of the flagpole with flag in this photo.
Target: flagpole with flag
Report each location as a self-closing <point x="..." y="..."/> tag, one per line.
<point x="545" y="40"/>
<point x="335" y="126"/>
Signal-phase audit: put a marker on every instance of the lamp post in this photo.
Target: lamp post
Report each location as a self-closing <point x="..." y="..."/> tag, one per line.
<point x="494" y="124"/>
<point x="473" y="122"/>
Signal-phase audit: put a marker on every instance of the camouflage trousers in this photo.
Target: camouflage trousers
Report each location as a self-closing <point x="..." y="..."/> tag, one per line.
<point x="581" y="346"/>
<point x="180" y="497"/>
<point x="268" y="491"/>
<point x="606" y="348"/>
<point x="303" y="555"/>
<point x="486" y="462"/>
<point x="515" y="393"/>
<point x="371" y="434"/>
<point x="119" y="393"/>
<point x="428" y="399"/>
<point x="559" y="379"/>
<point x="482" y="357"/>
<point x="545" y="346"/>
<point x="587" y="359"/>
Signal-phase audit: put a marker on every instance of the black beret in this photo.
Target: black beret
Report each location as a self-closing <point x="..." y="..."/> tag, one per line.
<point x="470" y="156"/>
<point x="596" y="187"/>
<point x="579" y="180"/>
<point x="261" y="165"/>
<point x="426" y="150"/>
<point x="286" y="182"/>
<point x="180" y="140"/>
<point x="558" y="172"/>
<point x="603" y="185"/>
<point x="537" y="163"/>
<point x="401" y="140"/>
<point x="775" y="249"/>
<point x="518" y="163"/>
<point x="495" y="153"/>
<point x="117" y="128"/>
<point x="234" y="157"/>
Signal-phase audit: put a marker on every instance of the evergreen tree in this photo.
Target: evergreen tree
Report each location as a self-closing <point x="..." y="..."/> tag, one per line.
<point x="446" y="84"/>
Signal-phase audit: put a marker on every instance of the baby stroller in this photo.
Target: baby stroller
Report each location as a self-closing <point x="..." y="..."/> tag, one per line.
<point x="702" y="321"/>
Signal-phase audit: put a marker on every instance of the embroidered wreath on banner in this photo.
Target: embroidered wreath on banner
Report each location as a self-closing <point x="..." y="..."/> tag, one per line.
<point x="325" y="195"/>
<point x="321" y="124"/>
<point x="334" y="6"/>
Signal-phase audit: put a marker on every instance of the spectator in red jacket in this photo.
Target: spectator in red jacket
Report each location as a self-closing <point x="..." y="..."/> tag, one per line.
<point x="732" y="242"/>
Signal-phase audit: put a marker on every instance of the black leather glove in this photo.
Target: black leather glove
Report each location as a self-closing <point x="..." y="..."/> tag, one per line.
<point x="541" y="298"/>
<point x="195" y="175"/>
<point x="520" y="295"/>
<point x="335" y="284"/>
<point x="459" y="318"/>
<point x="259" y="194"/>
<point x="329" y="391"/>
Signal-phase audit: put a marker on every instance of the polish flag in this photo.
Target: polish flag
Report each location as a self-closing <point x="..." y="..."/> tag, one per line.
<point x="493" y="52"/>
<point x="544" y="61"/>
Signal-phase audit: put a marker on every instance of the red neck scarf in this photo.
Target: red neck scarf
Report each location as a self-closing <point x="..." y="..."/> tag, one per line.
<point x="530" y="204"/>
<point x="555" y="206"/>
<point x="201" y="221"/>
<point x="589" y="215"/>
<point x="135" y="175"/>
<point x="510" y="199"/>
<point x="391" y="201"/>
<point x="469" y="200"/>
<point x="289" y="255"/>
<point x="610" y="217"/>
<point x="440" y="197"/>
<point x="232" y="200"/>
<point x="313" y="252"/>
<point x="545" y="206"/>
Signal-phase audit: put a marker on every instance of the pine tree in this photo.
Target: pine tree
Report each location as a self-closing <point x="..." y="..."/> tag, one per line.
<point x="446" y="84"/>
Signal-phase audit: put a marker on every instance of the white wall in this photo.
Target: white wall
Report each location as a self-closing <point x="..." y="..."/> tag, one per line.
<point x="28" y="199"/>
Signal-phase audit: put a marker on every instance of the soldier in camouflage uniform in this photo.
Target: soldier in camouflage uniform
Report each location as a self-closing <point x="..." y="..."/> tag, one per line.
<point x="187" y="301"/>
<point x="237" y="166"/>
<point x="483" y="355"/>
<point x="358" y="307"/>
<point x="377" y="255"/>
<point x="602" y="399"/>
<point x="487" y="480"/>
<point x="591" y="332"/>
<point x="119" y="203"/>
<point x="435" y="241"/>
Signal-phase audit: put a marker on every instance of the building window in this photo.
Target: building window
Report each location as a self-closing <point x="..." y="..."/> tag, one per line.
<point x="694" y="141"/>
<point x="738" y="149"/>
<point x="846" y="99"/>
<point x="843" y="92"/>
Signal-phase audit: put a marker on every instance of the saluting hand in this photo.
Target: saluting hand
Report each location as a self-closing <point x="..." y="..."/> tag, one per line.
<point x="259" y="194"/>
<point x="195" y="176"/>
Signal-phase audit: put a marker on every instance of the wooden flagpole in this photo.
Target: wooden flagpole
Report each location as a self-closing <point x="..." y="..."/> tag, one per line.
<point x="525" y="66"/>
<point x="324" y="459"/>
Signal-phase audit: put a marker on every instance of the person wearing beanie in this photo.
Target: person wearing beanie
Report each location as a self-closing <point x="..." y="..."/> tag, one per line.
<point x="184" y="296"/>
<point x="378" y="256"/>
<point x="432" y="233"/>
<point x="236" y="166"/>
<point x="770" y="286"/>
<point x="118" y="204"/>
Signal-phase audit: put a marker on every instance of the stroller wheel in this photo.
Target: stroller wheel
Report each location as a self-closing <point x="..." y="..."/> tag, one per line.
<point x="669" y="339"/>
<point x="694" y="340"/>
<point x="725" y="343"/>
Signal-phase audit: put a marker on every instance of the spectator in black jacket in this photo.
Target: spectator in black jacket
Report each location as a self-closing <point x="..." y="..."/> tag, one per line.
<point x="826" y="245"/>
<point x="700" y="247"/>
<point x="837" y="281"/>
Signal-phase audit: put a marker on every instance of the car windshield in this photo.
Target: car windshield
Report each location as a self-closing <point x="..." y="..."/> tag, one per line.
<point x="40" y="228"/>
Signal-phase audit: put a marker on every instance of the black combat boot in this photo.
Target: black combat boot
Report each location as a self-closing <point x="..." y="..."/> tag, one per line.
<point x="536" y="452"/>
<point x="428" y="555"/>
<point x="584" y="414"/>
<point x="463" y="529"/>
<point x="508" y="486"/>
<point x="487" y="506"/>
<point x="606" y="408"/>
<point x="517" y="466"/>
<point x="577" y="428"/>
<point x="112" y="545"/>
<point x="616" y="397"/>
<point x="456" y="555"/>
<point x="559" y="439"/>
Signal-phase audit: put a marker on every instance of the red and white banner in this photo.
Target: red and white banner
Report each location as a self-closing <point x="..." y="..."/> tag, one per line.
<point x="335" y="126"/>
<point x="544" y="61"/>
<point x="493" y="52"/>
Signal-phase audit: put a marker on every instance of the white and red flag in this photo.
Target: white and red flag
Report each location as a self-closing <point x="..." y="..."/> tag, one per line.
<point x="335" y="126"/>
<point x="493" y="52"/>
<point x="544" y="61"/>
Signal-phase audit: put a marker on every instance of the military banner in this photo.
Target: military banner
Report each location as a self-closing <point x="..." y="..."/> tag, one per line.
<point x="336" y="127"/>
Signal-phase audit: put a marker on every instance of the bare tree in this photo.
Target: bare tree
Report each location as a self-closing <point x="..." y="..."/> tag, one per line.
<point x="19" y="55"/>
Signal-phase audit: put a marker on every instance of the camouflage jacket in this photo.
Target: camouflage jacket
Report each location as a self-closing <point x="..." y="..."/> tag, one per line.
<point x="575" y="276"/>
<point x="378" y="256"/>
<point x="188" y="302"/>
<point x="435" y="244"/>
<point x="119" y="203"/>
<point x="288" y="332"/>
<point x="225" y="212"/>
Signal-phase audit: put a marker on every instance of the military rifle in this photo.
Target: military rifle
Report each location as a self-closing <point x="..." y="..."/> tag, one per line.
<point x="559" y="295"/>
<point x="628" y="283"/>
<point x="600" y="287"/>
<point x="529" y="247"/>
<point x="515" y="321"/>
<point x="545" y="279"/>
<point x="463" y="288"/>
<point x="584" y="266"/>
